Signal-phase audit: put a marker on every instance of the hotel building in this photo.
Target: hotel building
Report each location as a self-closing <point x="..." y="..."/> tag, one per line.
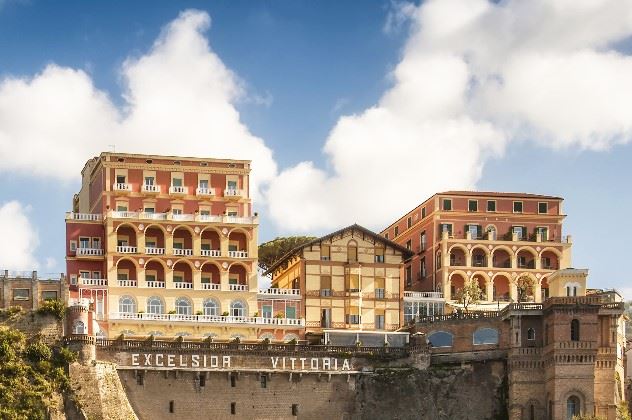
<point x="351" y="280"/>
<point x="168" y="246"/>
<point x="488" y="237"/>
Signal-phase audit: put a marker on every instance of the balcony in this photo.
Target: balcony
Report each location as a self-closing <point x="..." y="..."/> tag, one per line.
<point x="211" y="286"/>
<point x="181" y="217"/>
<point x="125" y="249"/>
<point x="185" y="252"/>
<point x="204" y="218"/>
<point x="182" y="285"/>
<point x="238" y="287"/>
<point x="205" y="192"/>
<point x="280" y="293"/>
<point x="89" y="252"/>
<point x="145" y="215"/>
<point x="150" y="250"/>
<point x="82" y="281"/>
<point x="232" y="192"/>
<point x="155" y="284"/>
<point x="125" y="214"/>
<point x="215" y="319"/>
<point x="150" y="188"/>
<point x="175" y="189"/>
<point x="122" y="187"/>
<point x="211" y="253"/>
<point x="88" y="217"/>
<point x="409" y="296"/>
<point x="238" y="254"/>
<point x="127" y="283"/>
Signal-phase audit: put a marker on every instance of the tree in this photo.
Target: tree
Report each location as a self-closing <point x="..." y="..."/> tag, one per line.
<point x="470" y="294"/>
<point x="525" y="286"/>
<point x="270" y="252"/>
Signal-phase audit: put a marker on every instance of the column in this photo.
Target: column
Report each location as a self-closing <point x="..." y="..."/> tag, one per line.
<point x="197" y="244"/>
<point x="169" y="244"/>
<point x="537" y="291"/>
<point x="197" y="279"/>
<point x="223" y="276"/>
<point x="489" y="286"/>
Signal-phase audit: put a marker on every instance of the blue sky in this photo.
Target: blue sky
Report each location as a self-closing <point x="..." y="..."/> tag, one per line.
<point x="311" y="72"/>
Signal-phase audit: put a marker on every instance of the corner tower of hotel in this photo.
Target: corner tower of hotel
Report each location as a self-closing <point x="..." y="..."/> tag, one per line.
<point x="488" y="237"/>
<point x="167" y="246"/>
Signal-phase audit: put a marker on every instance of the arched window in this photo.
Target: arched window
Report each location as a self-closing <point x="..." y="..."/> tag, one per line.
<point x="441" y="339"/>
<point x="290" y="337"/>
<point x="266" y="336"/>
<point x="182" y="334"/>
<point x="128" y="332"/>
<point x="183" y="306"/>
<point x="572" y="407"/>
<point x="530" y="334"/>
<point x="485" y="336"/>
<point x="211" y="307"/>
<point x="491" y="232"/>
<point x="352" y="251"/>
<point x="155" y="333"/>
<point x="155" y="306"/>
<point x="78" y="327"/>
<point x="127" y="305"/>
<point x="575" y="330"/>
<point x="237" y="308"/>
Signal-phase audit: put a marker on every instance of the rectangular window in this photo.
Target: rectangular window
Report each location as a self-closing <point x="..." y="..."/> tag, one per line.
<point x="150" y="277"/>
<point x="386" y="235"/>
<point x="546" y="263"/>
<point x="422" y="268"/>
<point x="122" y="276"/>
<point x="49" y="295"/>
<point x="520" y="231"/>
<point x="422" y="241"/>
<point x="149" y="210"/>
<point x="445" y="227"/>
<point x="266" y="311"/>
<point x="409" y="244"/>
<point x="178" y="277"/>
<point x="517" y="206"/>
<point x="205" y="213"/>
<point x="96" y="243"/>
<point x="171" y="406"/>
<point x="396" y="232"/>
<point x="379" y="254"/>
<point x="409" y="276"/>
<point x="544" y="233"/>
<point x="290" y="312"/>
<point x="379" y="322"/>
<point x="233" y="383"/>
<point x="353" y="283"/>
<point x="447" y="204"/>
<point x="325" y="252"/>
<point x="231" y="213"/>
<point x="353" y="319"/>
<point x="150" y="180"/>
<point x="96" y="274"/>
<point x="84" y="274"/>
<point x="233" y="408"/>
<point x="263" y="380"/>
<point x="472" y="205"/>
<point x="491" y="205"/>
<point x="203" y="183"/>
<point x="121" y="207"/>
<point x="423" y="212"/>
<point x="84" y="242"/>
<point x="409" y="223"/>
<point x="295" y="409"/>
<point x="379" y="288"/>
<point x="231" y="185"/>
<point x="325" y="286"/>
<point x="21" y="294"/>
<point x="176" y="182"/>
<point x="203" y="379"/>
<point x="121" y="179"/>
<point x="543" y="207"/>
<point x="73" y="246"/>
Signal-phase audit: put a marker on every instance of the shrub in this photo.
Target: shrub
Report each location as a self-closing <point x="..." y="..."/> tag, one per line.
<point x="53" y="307"/>
<point x="38" y="351"/>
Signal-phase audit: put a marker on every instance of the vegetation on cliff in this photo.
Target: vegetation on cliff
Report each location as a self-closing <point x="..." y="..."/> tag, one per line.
<point x="270" y="252"/>
<point x="31" y="373"/>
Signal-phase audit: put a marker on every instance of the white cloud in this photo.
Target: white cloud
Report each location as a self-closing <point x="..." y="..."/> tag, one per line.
<point x="179" y="100"/>
<point x="474" y="76"/>
<point x="17" y="253"/>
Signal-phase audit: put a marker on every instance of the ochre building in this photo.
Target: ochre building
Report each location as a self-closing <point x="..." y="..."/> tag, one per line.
<point x="167" y="246"/>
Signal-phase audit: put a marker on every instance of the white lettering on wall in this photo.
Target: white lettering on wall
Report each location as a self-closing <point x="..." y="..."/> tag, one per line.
<point x="134" y="359"/>
<point x="195" y="360"/>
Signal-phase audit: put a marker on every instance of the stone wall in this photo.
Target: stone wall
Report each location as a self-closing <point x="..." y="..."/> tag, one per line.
<point x="49" y="328"/>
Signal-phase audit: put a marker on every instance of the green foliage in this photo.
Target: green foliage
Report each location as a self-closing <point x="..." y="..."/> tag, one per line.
<point x="470" y="294"/>
<point x="628" y="324"/>
<point x="270" y="252"/>
<point x="53" y="307"/>
<point x="11" y="312"/>
<point x="622" y="412"/>
<point x="29" y="374"/>
<point x="587" y="417"/>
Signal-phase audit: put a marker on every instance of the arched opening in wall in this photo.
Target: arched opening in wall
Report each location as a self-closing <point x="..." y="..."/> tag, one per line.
<point x="352" y="251"/>
<point x="210" y="244"/>
<point x="126" y="275"/>
<point x="530" y="334"/>
<point x="154" y="274"/>
<point x="126" y="240"/>
<point x="78" y="327"/>
<point x="211" y="307"/>
<point x="155" y="305"/>
<point x="457" y="257"/>
<point x="210" y="277"/>
<point x="238" y="277"/>
<point x="154" y="241"/>
<point x="501" y="258"/>
<point x="457" y="282"/>
<point x="238" y="308"/>
<point x="479" y="257"/>
<point x="184" y="306"/>
<point x="573" y="407"/>
<point x="237" y="244"/>
<point x="502" y="288"/>
<point x="182" y="241"/>
<point x="482" y="284"/>
<point x="526" y="258"/>
<point x="492" y="233"/>
<point x="441" y="339"/>
<point x="483" y="336"/>
<point x="549" y="260"/>
<point x="127" y="305"/>
<point x="575" y="330"/>
<point x="182" y="275"/>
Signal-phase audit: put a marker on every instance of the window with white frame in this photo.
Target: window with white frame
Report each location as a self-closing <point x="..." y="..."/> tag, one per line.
<point x="155" y="305"/>
<point x="183" y="306"/>
<point x="237" y="308"/>
<point x="127" y="305"/>
<point x="211" y="307"/>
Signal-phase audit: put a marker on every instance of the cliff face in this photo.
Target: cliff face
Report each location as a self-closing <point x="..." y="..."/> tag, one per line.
<point x="476" y="391"/>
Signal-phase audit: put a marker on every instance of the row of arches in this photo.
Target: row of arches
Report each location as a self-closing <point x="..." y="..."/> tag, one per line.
<point x="498" y="287"/>
<point x="502" y="256"/>
<point x="269" y="336"/>
<point x="482" y="336"/>
<point x="183" y="269"/>
<point x="155" y="305"/>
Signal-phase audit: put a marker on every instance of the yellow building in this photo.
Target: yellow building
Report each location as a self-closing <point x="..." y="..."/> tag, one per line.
<point x="350" y="278"/>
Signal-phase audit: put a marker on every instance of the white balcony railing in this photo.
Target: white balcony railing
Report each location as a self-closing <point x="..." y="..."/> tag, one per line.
<point x="208" y="218"/>
<point x="122" y="186"/>
<point x="181" y="217"/>
<point x="280" y="292"/>
<point x="232" y="192"/>
<point x="182" y="285"/>
<point x="155" y="284"/>
<point x="204" y="191"/>
<point x="150" y="250"/>
<point x="185" y="252"/>
<point x="211" y="286"/>
<point x="238" y="254"/>
<point x="423" y="295"/>
<point x="92" y="282"/>
<point x="149" y="188"/>
<point x="208" y="319"/>
<point x="126" y="249"/>
<point x="211" y="253"/>
<point x="152" y="216"/>
<point x="89" y="251"/>
<point x="127" y="283"/>
<point x="84" y="216"/>
<point x="178" y="190"/>
<point x="238" y="287"/>
<point x="248" y="220"/>
<point x="125" y="214"/>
